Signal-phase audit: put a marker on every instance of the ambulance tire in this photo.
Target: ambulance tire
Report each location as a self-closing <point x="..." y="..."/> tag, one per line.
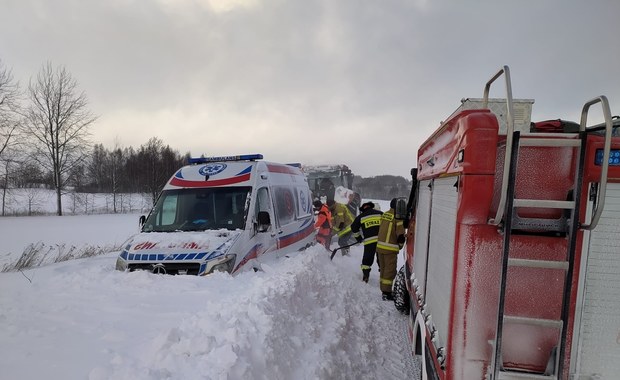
<point x="400" y="293"/>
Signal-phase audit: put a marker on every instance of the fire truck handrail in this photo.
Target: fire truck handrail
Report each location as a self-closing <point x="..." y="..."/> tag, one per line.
<point x="509" y="130"/>
<point x="600" y="202"/>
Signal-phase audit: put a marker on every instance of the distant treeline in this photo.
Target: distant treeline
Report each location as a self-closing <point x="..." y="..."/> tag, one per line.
<point x="45" y="143"/>
<point x="146" y="169"/>
<point x="383" y="187"/>
<point x="121" y="170"/>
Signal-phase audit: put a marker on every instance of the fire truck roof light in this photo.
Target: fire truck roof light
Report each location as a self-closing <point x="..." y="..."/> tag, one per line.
<point x="614" y="157"/>
<point x="242" y="157"/>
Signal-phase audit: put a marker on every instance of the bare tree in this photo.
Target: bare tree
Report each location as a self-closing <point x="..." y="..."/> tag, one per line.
<point x="33" y="196"/>
<point x="9" y="108"/>
<point x="5" y="180"/>
<point x="57" y="122"/>
<point x="115" y="164"/>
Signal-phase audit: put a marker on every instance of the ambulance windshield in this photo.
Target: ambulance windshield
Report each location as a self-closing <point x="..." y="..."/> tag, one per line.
<point x="199" y="209"/>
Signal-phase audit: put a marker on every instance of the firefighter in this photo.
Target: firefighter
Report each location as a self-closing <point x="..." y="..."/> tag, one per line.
<point x="323" y="224"/>
<point x="365" y="228"/>
<point x="341" y="218"/>
<point x="389" y="242"/>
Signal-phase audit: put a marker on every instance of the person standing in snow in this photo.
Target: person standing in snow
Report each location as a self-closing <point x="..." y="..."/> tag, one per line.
<point x="389" y="242"/>
<point x="365" y="228"/>
<point x="341" y="218"/>
<point x="323" y="224"/>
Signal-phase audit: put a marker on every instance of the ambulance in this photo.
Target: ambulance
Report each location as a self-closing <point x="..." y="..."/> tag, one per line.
<point x="224" y="214"/>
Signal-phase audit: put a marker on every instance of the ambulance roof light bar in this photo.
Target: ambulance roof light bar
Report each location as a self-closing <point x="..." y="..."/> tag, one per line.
<point x="242" y="157"/>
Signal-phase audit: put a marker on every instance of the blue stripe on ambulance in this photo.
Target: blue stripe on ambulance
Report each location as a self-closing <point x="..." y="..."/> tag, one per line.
<point x="245" y="171"/>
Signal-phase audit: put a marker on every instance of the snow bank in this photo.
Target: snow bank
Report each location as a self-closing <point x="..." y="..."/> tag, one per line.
<point x="304" y="317"/>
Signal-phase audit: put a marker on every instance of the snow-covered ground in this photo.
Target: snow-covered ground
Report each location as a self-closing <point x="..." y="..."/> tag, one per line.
<point x="55" y="238"/>
<point x="303" y="317"/>
<point x="37" y="201"/>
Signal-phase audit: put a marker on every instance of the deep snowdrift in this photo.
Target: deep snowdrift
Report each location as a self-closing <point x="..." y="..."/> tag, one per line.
<point x="303" y="317"/>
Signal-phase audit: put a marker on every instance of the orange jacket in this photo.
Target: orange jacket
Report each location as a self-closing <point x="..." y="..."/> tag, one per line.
<point x="324" y="221"/>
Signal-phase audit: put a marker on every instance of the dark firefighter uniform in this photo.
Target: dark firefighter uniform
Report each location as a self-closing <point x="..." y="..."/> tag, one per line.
<point x="365" y="229"/>
<point x="341" y="218"/>
<point x="323" y="224"/>
<point x="389" y="242"/>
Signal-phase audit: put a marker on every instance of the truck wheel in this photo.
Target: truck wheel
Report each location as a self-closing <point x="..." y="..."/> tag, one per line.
<point x="400" y="293"/>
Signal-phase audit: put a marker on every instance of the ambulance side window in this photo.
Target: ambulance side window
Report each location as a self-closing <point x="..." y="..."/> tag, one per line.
<point x="285" y="204"/>
<point x="169" y="210"/>
<point x="263" y="203"/>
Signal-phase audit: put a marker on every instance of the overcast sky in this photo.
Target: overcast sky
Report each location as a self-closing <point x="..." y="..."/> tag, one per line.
<point x="359" y="82"/>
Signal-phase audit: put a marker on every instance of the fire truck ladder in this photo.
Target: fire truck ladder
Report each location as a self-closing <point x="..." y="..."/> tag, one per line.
<point x="568" y="224"/>
<point x="512" y="222"/>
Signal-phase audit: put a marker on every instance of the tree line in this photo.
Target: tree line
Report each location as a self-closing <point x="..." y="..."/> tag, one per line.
<point x="126" y="170"/>
<point x="45" y="141"/>
<point x="383" y="187"/>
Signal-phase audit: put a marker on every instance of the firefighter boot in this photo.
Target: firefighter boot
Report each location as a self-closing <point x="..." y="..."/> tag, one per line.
<point x="365" y="275"/>
<point x="387" y="296"/>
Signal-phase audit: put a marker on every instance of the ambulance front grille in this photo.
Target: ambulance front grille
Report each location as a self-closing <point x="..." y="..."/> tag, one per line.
<point x="168" y="268"/>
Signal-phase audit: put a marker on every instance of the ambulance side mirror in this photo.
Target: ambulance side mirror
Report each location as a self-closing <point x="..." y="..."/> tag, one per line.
<point x="263" y="220"/>
<point x="400" y="211"/>
<point x="142" y="220"/>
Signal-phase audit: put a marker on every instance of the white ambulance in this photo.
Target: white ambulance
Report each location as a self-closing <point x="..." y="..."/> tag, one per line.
<point x="223" y="214"/>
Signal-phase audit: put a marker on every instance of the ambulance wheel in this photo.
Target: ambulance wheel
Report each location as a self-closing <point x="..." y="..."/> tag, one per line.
<point x="400" y="293"/>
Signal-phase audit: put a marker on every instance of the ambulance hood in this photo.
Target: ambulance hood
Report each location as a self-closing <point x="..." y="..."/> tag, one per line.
<point x="211" y="243"/>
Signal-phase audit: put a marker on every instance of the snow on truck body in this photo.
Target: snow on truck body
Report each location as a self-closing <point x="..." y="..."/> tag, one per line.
<point x="223" y="214"/>
<point x="527" y="290"/>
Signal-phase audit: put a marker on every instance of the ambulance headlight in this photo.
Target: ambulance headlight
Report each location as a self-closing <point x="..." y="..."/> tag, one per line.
<point x="223" y="263"/>
<point x="121" y="264"/>
<point x="121" y="261"/>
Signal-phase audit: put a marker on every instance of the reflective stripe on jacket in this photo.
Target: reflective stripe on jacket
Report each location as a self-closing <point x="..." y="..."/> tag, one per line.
<point x="341" y="215"/>
<point x="389" y="230"/>
<point x="367" y="225"/>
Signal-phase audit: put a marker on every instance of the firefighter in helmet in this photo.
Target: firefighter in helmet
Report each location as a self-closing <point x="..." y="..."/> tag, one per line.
<point x="389" y="242"/>
<point x="323" y="224"/>
<point x="365" y="228"/>
<point x="341" y="218"/>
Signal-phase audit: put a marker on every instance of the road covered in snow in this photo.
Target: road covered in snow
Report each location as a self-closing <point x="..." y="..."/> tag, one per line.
<point x="301" y="317"/>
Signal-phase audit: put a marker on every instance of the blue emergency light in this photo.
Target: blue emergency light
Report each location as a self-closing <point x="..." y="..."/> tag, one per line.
<point x="242" y="157"/>
<point x="614" y="157"/>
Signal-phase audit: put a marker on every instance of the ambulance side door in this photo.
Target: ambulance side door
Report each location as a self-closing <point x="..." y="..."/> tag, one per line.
<point x="264" y="234"/>
<point x="285" y="210"/>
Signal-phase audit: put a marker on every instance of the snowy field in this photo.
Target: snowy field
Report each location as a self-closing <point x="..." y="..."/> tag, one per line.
<point x="56" y="238"/>
<point x="303" y="317"/>
<point x="35" y="201"/>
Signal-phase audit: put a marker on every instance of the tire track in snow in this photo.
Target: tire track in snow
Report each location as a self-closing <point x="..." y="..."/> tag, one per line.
<point x="398" y="362"/>
<point x="390" y="353"/>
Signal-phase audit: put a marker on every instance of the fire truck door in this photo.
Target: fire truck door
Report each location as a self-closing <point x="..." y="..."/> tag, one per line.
<point x="439" y="280"/>
<point x="596" y="347"/>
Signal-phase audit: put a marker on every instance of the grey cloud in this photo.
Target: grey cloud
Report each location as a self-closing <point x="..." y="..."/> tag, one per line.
<point x="381" y="73"/>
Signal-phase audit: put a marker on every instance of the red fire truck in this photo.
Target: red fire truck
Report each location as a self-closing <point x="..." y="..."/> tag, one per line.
<point x="513" y="249"/>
